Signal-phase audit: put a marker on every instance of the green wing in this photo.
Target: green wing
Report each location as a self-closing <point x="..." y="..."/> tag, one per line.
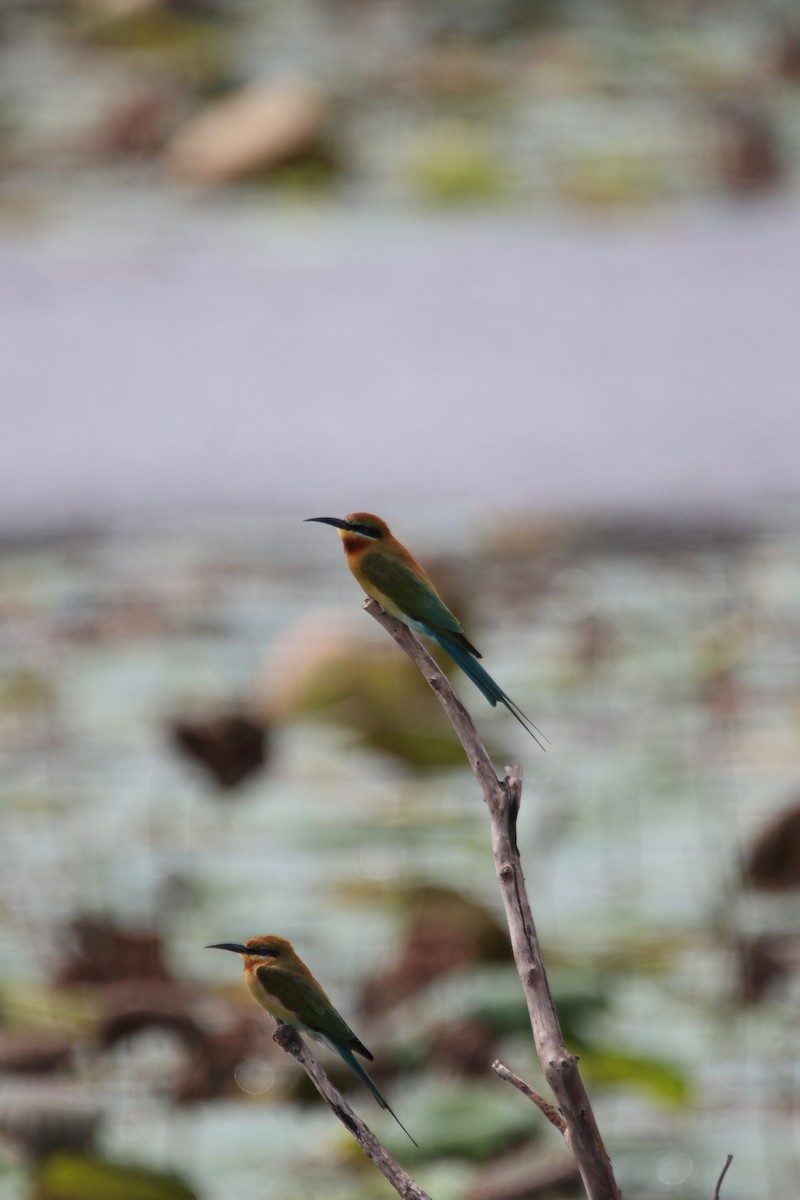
<point x="311" y="1006"/>
<point x="416" y="597"/>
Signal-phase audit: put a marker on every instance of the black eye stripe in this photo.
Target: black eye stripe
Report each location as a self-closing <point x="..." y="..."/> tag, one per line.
<point x="366" y="531"/>
<point x="264" y="952"/>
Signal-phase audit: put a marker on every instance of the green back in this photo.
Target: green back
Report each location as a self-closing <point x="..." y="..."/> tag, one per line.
<point x="415" y="596"/>
<point x="306" y="999"/>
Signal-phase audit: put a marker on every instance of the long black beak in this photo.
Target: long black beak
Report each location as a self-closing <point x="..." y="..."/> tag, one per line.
<point x="228" y="946"/>
<point x="335" y="521"/>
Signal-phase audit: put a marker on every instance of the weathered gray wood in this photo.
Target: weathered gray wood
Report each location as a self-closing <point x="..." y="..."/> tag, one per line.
<point x="502" y="798"/>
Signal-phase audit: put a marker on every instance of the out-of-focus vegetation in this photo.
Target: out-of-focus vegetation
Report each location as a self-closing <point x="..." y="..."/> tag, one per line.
<point x="74" y="1177"/>
<point x="597" y="105"/>
<point x="137" y="829"/>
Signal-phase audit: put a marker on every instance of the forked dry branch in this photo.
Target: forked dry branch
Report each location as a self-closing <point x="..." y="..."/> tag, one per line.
<point x="573" y="1117"/>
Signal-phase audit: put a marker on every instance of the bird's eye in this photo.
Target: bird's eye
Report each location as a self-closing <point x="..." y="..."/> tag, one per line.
<point x="369" y="531"/>
<point x="269" y="952"/>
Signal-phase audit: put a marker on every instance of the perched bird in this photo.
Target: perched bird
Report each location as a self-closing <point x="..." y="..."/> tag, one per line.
<point x="393" y="577"/>
<point x="282" y="984"/>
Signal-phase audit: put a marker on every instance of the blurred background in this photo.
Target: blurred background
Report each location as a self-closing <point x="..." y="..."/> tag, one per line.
<point x="522" y="277"/>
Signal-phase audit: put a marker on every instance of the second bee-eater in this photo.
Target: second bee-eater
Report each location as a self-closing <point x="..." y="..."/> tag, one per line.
<point x="391" y="575"/>
<point x="282" y="984"/>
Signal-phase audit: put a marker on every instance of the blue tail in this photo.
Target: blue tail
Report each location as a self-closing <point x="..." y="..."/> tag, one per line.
<point x="355" y="1066"/>
<point x="484" y="682"/>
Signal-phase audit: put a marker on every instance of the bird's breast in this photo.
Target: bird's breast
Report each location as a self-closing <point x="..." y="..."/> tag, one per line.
<point x="260" y="992"/>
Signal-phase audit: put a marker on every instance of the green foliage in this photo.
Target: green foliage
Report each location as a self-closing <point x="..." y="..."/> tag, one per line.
<point x="494" y="998"/>
<point x="617" y="1068"/>
<point x="454" y="164"/>
<point x="382" y="698"/>
<point x="25" y="692"/>
<point x="578" y="1011"/>
<point x="474" y="1121"/>
<point x="66" y="1176"/>
<point x="194" y="49"/>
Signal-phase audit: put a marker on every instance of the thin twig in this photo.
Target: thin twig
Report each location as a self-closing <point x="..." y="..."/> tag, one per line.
<point x="544" y="1106"/>
<point x="502" y="797"/>
<point x="289" y="1040"/>
<point x="723" y="1173"/>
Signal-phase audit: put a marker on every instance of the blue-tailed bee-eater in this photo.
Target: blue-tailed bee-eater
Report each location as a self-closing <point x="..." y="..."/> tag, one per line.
<point x="391" y="575"/>
<point x="282" y="984"/>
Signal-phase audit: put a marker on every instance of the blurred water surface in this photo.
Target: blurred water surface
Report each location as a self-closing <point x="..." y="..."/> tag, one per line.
<point x="158" y="360"/>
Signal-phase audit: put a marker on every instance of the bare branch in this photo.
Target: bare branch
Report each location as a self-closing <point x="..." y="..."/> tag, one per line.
<point x="289" y="1040"/>
<point x="502" y="799"/>
<point x="544" y="1106"/>
<point x="723" y="1173"/>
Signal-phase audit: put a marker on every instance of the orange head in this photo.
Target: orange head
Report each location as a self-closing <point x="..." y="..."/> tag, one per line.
<point x="358" y="530"/>
<point x="258" y="950"/>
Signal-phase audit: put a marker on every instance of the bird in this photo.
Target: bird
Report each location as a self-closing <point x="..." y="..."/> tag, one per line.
<point x="281" y="982"/>
<point x="390" y="574"/>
